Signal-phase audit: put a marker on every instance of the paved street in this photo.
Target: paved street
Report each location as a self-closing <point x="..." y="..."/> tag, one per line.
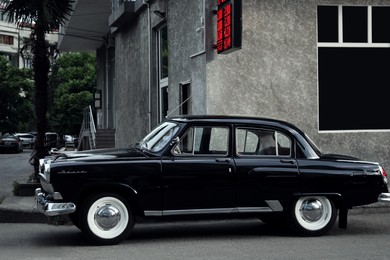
<point x="14" y="167"/>
<point x="366" y="238"/>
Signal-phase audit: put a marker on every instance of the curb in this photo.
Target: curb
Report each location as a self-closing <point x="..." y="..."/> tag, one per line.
<point x="28" y="189"/>
<point x="20" y="209"/>
<point x="378" y="207"/>
<point x="12" y="216"/>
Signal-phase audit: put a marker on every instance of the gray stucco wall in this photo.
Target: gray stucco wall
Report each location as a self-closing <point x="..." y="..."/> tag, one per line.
<point x="273" y="75"/>
<point x="186" y="61"/>
<point x="132" y="75"/>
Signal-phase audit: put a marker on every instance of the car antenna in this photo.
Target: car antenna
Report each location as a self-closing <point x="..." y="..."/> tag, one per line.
<point x="176" y="108"/>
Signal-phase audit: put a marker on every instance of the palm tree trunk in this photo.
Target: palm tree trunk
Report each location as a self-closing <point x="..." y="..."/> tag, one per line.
<point x="41" y="69"/>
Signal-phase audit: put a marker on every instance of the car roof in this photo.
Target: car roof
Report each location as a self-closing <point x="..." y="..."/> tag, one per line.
<point x="251" y="119"/>
<point x="7" y="135"/>
<point x="24" y="134"/>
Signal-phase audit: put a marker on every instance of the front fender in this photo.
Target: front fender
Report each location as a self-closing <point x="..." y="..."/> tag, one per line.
<point x="125" y="190"/>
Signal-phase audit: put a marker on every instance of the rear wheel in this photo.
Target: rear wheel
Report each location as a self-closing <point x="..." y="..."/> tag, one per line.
<point x="106" y="218"/>
<point x="313" y="215"/>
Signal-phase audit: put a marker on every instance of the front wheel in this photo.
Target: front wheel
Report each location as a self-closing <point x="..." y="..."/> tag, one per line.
<point x="313" y="215"/>
<point x="106" y="218"/>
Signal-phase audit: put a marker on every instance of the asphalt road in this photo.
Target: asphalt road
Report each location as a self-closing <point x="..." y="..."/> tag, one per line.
<point x="367" y="237"/>
<point x="14" y="167"/>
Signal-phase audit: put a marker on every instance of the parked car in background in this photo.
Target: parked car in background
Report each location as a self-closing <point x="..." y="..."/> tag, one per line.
<point x="27" y="139"/>
<point x="209" y="166"/>
<point x="71" y="140"/>
<point x="10" y="142"/>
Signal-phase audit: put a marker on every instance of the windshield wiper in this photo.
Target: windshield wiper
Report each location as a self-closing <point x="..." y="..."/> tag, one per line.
<point x="139" y="148"/>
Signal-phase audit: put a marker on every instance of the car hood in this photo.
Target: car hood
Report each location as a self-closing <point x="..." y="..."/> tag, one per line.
<point x="100" y="154"/>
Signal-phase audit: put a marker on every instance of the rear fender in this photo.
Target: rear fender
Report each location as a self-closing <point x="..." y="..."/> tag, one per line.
<point x="335" y="197"/>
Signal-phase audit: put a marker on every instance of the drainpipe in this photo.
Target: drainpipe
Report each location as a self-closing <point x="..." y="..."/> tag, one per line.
<point x="150" y="67"/>
<point x="202" y="28"/>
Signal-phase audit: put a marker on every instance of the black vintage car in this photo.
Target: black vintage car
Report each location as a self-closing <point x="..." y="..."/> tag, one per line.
<point x="209" y="166"/>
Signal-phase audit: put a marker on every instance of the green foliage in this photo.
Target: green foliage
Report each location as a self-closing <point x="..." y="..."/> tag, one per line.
<point x="16" y="188"/>
<point x="73" y="82"/>
<point x="16" y="98"/>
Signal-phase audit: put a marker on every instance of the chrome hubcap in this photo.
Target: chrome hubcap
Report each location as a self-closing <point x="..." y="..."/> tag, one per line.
<point x="107" y="217"/>
<point x="311" y="210"/>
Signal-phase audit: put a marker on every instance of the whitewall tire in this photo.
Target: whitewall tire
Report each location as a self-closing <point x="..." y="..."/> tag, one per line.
<point x="106" y="218"/>
<point x="313" y="215"/>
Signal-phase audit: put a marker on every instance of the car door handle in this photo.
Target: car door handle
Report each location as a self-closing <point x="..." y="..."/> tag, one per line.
<point x="287" y="161"/>
<point x="226" y="160"/>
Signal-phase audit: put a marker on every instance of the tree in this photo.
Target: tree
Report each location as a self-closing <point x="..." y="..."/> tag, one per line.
<point x="73" y="80"/>
<point x="45" y="16"/>
<point x="16" y="108"/>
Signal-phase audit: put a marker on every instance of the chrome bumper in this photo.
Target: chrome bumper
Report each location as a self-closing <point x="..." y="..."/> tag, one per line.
<point x="384" y="197"/>
<point x="43" y="205"/>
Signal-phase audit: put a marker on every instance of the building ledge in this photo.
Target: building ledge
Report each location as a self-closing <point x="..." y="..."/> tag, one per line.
<point x="124" y="11"/>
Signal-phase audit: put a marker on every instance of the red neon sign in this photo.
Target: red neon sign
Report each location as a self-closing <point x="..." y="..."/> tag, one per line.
<point x="228" y="25"/>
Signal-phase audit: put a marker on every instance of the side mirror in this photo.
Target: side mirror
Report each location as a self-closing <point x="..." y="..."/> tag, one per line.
<point x="175" y="140"/>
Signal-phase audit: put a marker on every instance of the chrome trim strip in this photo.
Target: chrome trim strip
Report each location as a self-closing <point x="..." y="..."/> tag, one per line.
<point x="72" y="172"/>
<point x="196" y="211"/>
<point x="274" y="206"/>
<point x="153" y="213"/>
<point x="254" y="210"/>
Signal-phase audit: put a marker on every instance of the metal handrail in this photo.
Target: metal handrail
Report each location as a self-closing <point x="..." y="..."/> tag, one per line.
<point x="89" y="126"/>
<point x="92" y="128"/>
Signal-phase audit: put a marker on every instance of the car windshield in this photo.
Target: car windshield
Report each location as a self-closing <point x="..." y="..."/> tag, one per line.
<point x="157" y="139"/>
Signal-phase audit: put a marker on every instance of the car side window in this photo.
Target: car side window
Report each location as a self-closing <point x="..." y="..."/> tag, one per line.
<point x="253" y="141"/>
<point x="247" y="141"/>
<point x="203" y="141"/>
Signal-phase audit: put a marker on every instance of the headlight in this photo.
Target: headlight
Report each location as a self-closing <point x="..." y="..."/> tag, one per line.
<point x="41" y="166"/>
<point x="44" y="168"/>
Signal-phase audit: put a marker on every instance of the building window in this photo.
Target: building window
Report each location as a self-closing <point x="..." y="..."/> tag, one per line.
<point x="185" y="97"/>
<point x="6" y="39"/>
<point x="162" y="65"/>
<point x="353" y="45"/>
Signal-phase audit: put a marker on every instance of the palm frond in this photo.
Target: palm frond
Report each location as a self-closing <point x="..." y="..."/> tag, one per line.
<point x="49" y="13"/>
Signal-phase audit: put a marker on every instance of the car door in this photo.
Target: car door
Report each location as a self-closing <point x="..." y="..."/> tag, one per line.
<point x="199" y="176"/>
<point x="266" y="169"/>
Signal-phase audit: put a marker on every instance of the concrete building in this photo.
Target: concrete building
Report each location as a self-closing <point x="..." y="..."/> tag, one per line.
<point x="320" y="64"/>
<point x="15" y="41"/>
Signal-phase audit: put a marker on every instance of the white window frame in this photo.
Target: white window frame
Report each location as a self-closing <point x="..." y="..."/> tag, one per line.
<point x="341" y="43"/>
<point x="162" y="82"/>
